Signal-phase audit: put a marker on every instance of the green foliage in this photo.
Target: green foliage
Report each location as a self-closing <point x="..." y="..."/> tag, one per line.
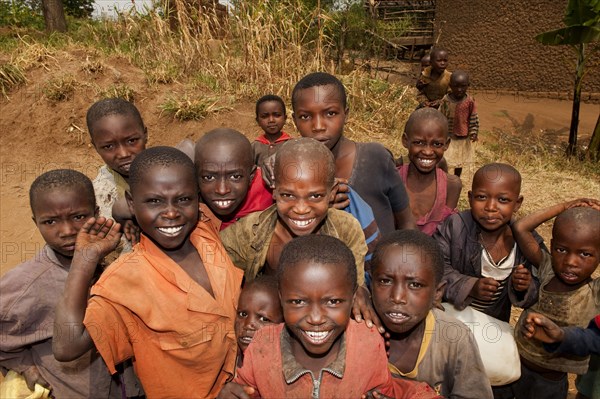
<point x="582" y="20"/>
<point x="18" y="13"/>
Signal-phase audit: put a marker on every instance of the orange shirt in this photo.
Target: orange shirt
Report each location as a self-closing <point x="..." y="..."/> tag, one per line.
<point x="147" y="308"/>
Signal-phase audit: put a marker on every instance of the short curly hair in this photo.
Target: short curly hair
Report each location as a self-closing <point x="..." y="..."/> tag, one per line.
<point x="63" y="179"/>
<point x="158" y="156"/>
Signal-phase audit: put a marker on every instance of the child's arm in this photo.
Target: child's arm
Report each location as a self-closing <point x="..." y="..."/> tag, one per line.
<point x="121" y="213"/>
<point x="404" y="219"/>
<point x="572" y="340"/>
<point x="96" y="239"/>
<point x="523" y="228"/>
<point x="453" y="190"/>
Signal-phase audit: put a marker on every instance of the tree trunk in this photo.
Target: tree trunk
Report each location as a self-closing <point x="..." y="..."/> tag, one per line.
<point x="572" y="147"/>
<point x="594" y="147"/>
<point x="54" y="15"/>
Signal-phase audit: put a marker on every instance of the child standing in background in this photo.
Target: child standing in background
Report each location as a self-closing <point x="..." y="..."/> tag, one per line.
<point x="434" y="81"/>
<point x="463" y="123"/>
<point x="433" y="193"/>
<point x="270" y="116"/>
<point x="568" y="295"/>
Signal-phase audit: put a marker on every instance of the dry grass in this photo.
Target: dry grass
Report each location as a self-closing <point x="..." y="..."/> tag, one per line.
<point x="10" y="77"/>
<point x="92" y="66"/>
<point x="59" y="89"/>
<point x="122" y="90"/>
<point x="188" y="108"/>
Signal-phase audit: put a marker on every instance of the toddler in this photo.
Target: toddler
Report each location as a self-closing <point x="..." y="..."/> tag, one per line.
<point x="434" y="81"/>
<point x="463" y="122"/>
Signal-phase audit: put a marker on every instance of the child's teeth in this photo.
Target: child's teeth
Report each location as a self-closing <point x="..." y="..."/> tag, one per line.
<point x="223" y="204"/>
<point x="317" y="335"/>
<point x="170" y="230"/>
<point x="302" y="223"/>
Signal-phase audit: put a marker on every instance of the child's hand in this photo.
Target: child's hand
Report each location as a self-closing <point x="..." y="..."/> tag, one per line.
<point x="485" y="288"/>
<point x="362" y="309"/>
<point x="587" y="202"/>
<point x="374" y="394"/>
<point x="341" y="189"/>
<point x="542" y="328"/>
<point x="234" y="390"/>
<point x="131" y="231"/>
<point x="32" y="376"/>
<point x="521" y="278"/>
<point x="97" y="238"/>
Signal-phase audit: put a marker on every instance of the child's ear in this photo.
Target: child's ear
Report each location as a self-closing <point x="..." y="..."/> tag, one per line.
<point x="97" y="212"/>
<point x="439" y="293"/>
<point x="33" y="218"/>
<point x="252" y="173"/>
<point x="447" y="143"/>
<point x="404" y="140"/>
<point x="518" y="204"/>
<point x="129" y="200"/>
<point x="346" y="112"/>
<point x="470" y="196"/>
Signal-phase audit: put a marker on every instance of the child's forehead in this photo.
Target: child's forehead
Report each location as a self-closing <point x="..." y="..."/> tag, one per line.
<point x="291" y="168"/>
<point x="494" y="177"/>
<point x="336" y="271"/>
<point x="224" y="153"/>
<point x="427" y="125"/>
<point x="270" y="104"/>
<point x="45" y="200"/>
<point x="408" y="253"/>
<point x="324" y="94"/>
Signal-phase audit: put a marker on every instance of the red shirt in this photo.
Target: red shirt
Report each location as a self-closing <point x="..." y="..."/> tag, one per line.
<point x="263" y="139"/>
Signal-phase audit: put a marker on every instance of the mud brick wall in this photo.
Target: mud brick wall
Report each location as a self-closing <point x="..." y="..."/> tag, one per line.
<point x="494" y="41"/>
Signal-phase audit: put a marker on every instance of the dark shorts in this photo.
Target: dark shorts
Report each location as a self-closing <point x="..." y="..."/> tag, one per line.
<point x="533" y="385"/>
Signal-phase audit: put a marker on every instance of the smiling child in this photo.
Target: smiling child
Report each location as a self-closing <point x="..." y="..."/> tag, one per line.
<point x="170" y="304"/>
<point x="319" y="352"/>
<point x="230" y="184"/>
<point x="433" y="193"/>
<point x="484" y="266"/>
<point x="568" y="294"/>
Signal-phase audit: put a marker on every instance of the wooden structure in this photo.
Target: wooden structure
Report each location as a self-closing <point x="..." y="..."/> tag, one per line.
<point x="421" y="13"/>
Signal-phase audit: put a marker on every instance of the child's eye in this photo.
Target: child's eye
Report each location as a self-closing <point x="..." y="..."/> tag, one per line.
<point x="264" y="319"/>
<point x="384" y="281"/>
<point x="236" y="177"/>
<point x="242" y="314"/>
<point x="296" y="301"/>
<point x="79" y="217"/>
<point x="333" y="302"/>
<point x="132" y="140"/>
<point x="185" y="199"/>
<point x="286" y="195"/>
<point x="304" y="117"/>
<point x="153" y="201"/>
<point x="107" y="147"/>
<point x="208" y="178"/>
<point x="480" y="197"/>
<point x="586" y="254"/>
<point x="414" y="284"/>
<point x="561" y="250"/>
<point x="504" y="199"/>
<point x="49" y="222"/>
<point x="316" y="196"/>
<point x="417" y="142"/>
<point x="331" y="113"/>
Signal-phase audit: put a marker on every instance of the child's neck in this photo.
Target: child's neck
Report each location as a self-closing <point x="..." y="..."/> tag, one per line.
<point x="416" y="175"/>
<point x="452" y="96"/>
<point x="498" y="243"/>
<point x="557" y="285"/>
<point x="272" y="138"/>
<point x="344" y="153"/>
<point x="188" y="258"/>
<point x="436" y="73"/>
<point x="315" y="363"/>
<point x="405" y="347"/>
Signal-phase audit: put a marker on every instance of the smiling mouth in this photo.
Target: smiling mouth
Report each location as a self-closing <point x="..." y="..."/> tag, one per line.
<point x="426" y="162"/>
<point x="170" y="231"/>
<point x="223" y="204"/>
<point x="126" y="166"/>
<point x="302" y="223"/>
<point x="317" y="337"/>
<point x="245" y="340"/>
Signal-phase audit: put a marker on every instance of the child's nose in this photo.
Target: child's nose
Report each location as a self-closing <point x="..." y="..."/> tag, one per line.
<point x="315" y="316"/>
<point x="318" y="123"/>
<point x="171" y="212"/>
<point x="398" y="294"/>
<point x="122" y="152"/>
<point x="301" y="207"/>
<point x="67" y="230"/>
<point x="222" y="187"/>
<point x="490" y="204"/>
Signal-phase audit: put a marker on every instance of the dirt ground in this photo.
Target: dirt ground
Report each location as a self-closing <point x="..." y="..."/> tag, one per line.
<point x="37" y="135"/>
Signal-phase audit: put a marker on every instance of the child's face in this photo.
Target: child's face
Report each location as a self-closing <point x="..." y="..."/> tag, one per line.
<point x="426" y="144"/>
<point x="257" y="307"/>
<point x="404" y="288"/>
<point x="165" y="205"/>
<point x="494" y="200"/>
<point x="224" y="177"/>
<point x="118" y="139"/>
<point x="459" y="86"/>
<point x="59" y="215"/>
<point x="425" y="62"/>
<point x="575" y="252"/>
<point x="319" y="114"/>
<point x="302" y="196"/>
<point x="271" y="117"/>
<point x="439" y="61"/>
<point x="316" y="301"/>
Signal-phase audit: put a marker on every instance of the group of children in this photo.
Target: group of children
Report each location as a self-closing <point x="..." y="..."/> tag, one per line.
<point x="291" y="267"/>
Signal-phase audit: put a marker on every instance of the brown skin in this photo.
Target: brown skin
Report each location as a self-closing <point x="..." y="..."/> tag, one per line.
<point x="543" y="329"/>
